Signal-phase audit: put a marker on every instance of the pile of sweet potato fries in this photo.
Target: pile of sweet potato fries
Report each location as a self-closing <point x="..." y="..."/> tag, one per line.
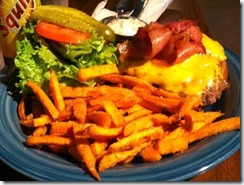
<point x="115" y="121"/>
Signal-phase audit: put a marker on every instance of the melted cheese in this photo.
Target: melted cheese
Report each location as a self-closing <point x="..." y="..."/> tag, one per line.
<point x="189" y="77"/>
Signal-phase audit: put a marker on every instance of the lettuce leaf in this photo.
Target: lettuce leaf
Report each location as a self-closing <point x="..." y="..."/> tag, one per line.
<point x="35" y="57"/>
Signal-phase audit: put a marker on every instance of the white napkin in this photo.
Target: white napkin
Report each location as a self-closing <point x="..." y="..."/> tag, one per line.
<point x="152" y="10"/>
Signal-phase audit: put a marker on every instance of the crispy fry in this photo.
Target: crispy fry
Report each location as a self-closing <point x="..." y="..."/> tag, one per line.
<point x="214" y="128"/>
<point x="137" y="114"/>
<point x="171" y="105"/>
<point x="87" y="156"/>
<point x="101" y="118"/>
<point x="85" y="74"/>
<point x="195" y="120"/>
<point x="133" y="81"/>
<point x="98" y="100"/>
<point x="130" y="141"/>
<point x="94" y="108"/>
<point x="177" y="132"/>
<point x="47" y="140"/>
<point x="144" y="122"/>
<point x="170" y="146"/>
<point x="40" y="131"/>
<point x="43" y="120"/>
<point x="132" y="109"/>
<point x="55" y="91"/>
<point x="113" y="111"/>
<point x="97" y="132"/>
<point x="62" y="129"/>
<point x="192" y="116"/>
<point x="141" y="90"/>
<point x="79" y="92"/>
<point x="114" y="158"/>
<point x="21" y="109"/>
<point x="68" y="112"/>
<point x="94" y="92"/>
<point x="190" y="102"/>
<point x="79" y="110"/>
<point x="150" y="105"/>
<point x="44" y="99"/>
<point x="28" y="121"/>
<point x="149" y="154"/>
<point x="98" y="146"/>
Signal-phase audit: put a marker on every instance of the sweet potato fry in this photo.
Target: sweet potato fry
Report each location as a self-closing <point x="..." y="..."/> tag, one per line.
<point x="141" y="90"/>
<point x="62" y="129"/>
<point x="192" y="116"/>
<point x="40" y="131"/>
<point x="111" y="159"/>
<point x="97" y="132"/>
<point x="144" y="123"/>
<point x="101" y="118"/>
<point x="149" y="154"/>
<point x="214" y="128"/>
<point x="85" y="74"/>
<point x="150" y="105"/>
<point x="43" y="120"/>
<point x="94" y="108"/>
<point x="132" y="109"/>
<point x="44" y="99"/>
<point x="195" y="120"/>
<point x="109" y="96"/>
<point x="177" y="132"/>
<point x="112" y="110"/>
<point x="68" y="112"/>
<point x="133" y="81"/>
<point x="79" y="92"/>
<point x="55" y="91"/>
<point x="80" y="110"/>
<point x="21" y="109"/>
<point x="47" y="140"/>
<point x="28" y="121"/>
<point x="190" y="102"/>
<point x="137" y="114"/>
<point x="98" y="146"/>
<point x="170" y="146"/>
<point x="171" y="105"/>
<point x="87" y="156"/>
<point x="130" y="141"/>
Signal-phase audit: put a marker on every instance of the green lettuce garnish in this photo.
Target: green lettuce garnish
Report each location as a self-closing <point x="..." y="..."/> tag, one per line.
<point x="35" y="57"/>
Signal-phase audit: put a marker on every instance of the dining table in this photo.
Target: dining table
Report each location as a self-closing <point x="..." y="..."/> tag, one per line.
<point x="205" y="13"/>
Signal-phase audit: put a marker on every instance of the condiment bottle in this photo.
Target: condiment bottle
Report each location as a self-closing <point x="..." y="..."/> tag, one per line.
<point x="13" y="16"/>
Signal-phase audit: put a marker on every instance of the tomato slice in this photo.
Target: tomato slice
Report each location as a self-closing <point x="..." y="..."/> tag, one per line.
<point x="60" y="34"/>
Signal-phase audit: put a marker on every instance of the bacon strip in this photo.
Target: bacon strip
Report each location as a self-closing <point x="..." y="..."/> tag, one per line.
<point x="164" y="44"/>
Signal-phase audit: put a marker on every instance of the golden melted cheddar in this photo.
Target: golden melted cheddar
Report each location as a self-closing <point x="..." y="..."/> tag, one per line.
<point x="189" y="77"/>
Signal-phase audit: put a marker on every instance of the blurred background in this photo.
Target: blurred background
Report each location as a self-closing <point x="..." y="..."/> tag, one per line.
<point x="223" y="20"/>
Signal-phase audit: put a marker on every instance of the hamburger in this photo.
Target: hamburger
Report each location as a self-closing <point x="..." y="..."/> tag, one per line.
<point x="177" y="57"/>
<point x="64" y="40"/>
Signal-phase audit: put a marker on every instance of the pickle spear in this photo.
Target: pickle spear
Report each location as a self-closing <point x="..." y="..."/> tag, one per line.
<point x="72" y="18"/>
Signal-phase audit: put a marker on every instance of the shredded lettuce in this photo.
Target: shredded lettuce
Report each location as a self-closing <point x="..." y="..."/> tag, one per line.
<point x="35" y="57"/>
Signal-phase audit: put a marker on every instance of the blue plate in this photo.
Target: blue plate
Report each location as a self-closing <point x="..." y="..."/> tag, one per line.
<point x="40" y="165"/>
